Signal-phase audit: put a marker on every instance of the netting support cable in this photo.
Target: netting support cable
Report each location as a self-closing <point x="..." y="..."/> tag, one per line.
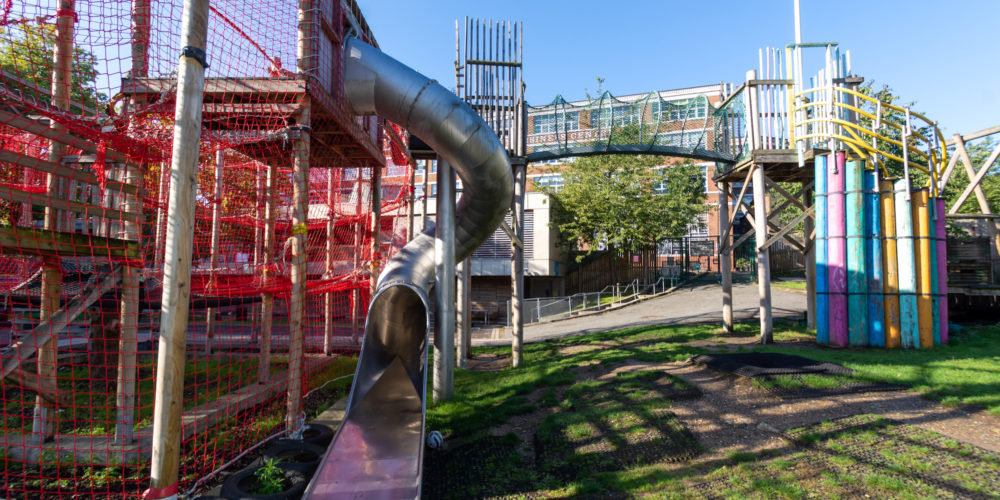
<point x="169" y="393"/>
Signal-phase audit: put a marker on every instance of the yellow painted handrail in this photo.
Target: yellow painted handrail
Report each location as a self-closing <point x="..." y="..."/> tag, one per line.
<point x="933" y="153"/>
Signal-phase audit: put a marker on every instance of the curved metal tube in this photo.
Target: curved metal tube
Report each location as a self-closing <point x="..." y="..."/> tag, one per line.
<point x="378" y="449"/>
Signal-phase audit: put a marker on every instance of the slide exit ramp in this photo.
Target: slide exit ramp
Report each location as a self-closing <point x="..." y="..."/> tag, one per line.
<point x="378" y="450"/>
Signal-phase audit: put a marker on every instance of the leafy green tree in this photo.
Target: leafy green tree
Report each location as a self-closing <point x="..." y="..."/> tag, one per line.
<point x="979" y="152"/>
<point x="615" y="200"/>
<point x="26" y="51"/>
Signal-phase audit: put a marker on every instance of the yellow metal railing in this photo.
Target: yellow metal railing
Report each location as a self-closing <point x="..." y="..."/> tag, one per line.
<point x="820" y="114"/>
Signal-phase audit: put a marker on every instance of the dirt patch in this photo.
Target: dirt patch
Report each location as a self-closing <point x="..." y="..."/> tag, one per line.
<point x="734" y="416"/>
<point x="488" y="362"/>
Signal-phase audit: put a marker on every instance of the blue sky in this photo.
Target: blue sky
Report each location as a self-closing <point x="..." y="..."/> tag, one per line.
<point x="939" y="54"/>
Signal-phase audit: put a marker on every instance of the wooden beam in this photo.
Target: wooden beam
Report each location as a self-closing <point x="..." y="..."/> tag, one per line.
<point x="62" y="171"/>
<point x="42" y="386"/>
<point x="88" y="210"/>
<point x="974" y="135"/>
<point x="974" y="180"/>
<point x="39" y="127"/>
<point x="794" y="199"/>
<point x="743" y="191"/>
<point x="227" y="85"/>
<point x="28" y="344"/>
<point x="788" y="227"/>
<point x="22" y="240"/>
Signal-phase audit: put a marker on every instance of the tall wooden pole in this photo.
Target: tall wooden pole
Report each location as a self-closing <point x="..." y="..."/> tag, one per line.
<point x="760" y="216"/>
<point x="810" y="257"/>
<point x="267" y="299"/>
<point x="296" y="323"/>
<point x="725" y="259"/>
<point x="300" y="226"/>
<point x="463" y="340"/>
<point x="517" y="265"/>
<point x="331" y="203"/>
<point x="129" y="320"/>
<point x="427" y="194"/>
<point x="210" y="322"/>
<point x="412" y="204"/>
<point x="169" y="400"/>
<point x="444" y="285"/>
<point x="44" y="423"/>
<point x="355" y="291"/>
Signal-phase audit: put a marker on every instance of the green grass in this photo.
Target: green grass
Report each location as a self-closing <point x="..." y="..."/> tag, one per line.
<point x="966" y="371"/>
<point x="790" y="285"/>
<point x="596" y="419"/>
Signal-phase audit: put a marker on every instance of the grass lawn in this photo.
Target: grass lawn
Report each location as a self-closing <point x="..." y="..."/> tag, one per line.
<point x="966" y="371"/>
<point x="790" y="285"/>
<point x="615" y="436"/>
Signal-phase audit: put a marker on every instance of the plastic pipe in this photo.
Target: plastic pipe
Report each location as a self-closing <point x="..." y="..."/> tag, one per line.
<point x="890" y="283"/>
<point x="922" y="259"/>
<point x="942" y="267"/>
<point x="837" y="252"/>
<point x="822" y="305"/>
<point x="857" y="281"/>
<point x="873" y="259"/>
<point x="909" y="324"/>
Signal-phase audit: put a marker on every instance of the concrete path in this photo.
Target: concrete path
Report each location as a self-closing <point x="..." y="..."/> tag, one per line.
<point x="697" y="303"/>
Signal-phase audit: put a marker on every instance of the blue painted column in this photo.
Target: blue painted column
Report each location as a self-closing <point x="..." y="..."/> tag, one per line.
<point x="873" y="255"/>
<point x="822" y="305"/>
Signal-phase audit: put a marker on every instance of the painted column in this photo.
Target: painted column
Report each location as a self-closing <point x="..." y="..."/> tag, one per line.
<point x="890" y="283"/>
<point x="822" y="305"/>
<point x="935" y="299"/>
<point x="908" y="322"/>
<point x="922" y="259"/>
<point x="942" y="267"/>
<point x="857" y="282"/>
<point x="873" y="256"/>
<point x="837" y="252"/>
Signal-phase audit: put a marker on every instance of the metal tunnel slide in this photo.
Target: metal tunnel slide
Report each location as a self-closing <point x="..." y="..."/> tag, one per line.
<point x="378" y="450"/>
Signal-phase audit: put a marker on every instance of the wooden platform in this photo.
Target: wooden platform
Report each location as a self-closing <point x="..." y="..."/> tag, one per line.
<point x="781" y="165"/>
<point x="258" y="114"/>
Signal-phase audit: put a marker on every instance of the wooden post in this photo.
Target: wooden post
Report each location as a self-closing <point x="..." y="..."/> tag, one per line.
<point x="355" y="292"/>
<point x="423" y="210"/>
<point x="260" y="214"/>
<point x="44" y="423"/>
<point x="412" y="204"/>
<point x="517" y="265"/>
<point x="463" y="339"/>
<point x="129" y="320"/>
<point x="760" y="216"/>
<point x="267" y="299"/>
<point x="300" y="213"/>
<point x="331" y="203"/>
<point x="169" y="398"/>
<point x="763" y="255"/>
<point x="725" y="259"/>
<point x="214" y="247"/>
<point x="444" y="285"/>
<point x="810" y="257"/>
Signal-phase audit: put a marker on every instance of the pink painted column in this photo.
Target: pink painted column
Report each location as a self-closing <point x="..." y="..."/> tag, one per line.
<point x="837" y="250"/>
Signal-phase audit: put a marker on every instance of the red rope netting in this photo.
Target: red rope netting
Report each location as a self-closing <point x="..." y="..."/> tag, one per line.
<point x="83" y="205"/>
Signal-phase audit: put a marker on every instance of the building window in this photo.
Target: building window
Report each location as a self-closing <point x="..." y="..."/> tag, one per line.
<point x="554" y="181"/>
<point x="619" y="115"/>
<point x="687" y="109"/>
<point x="682" y="139"/>
<point x="547" y="124"/>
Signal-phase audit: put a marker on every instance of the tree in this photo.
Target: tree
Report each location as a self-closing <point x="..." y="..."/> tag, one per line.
<point x="26" y="51"/>
<point x="625" y="202"/>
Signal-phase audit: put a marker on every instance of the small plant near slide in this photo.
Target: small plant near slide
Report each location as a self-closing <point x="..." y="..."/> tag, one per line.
<point x="270" y="478"/>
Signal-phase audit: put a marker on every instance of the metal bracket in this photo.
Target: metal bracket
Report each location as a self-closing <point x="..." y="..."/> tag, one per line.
<point x="196" y="54"/>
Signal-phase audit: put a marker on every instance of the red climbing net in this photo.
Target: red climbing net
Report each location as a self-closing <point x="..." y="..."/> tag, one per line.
<point x="87" y="99"/>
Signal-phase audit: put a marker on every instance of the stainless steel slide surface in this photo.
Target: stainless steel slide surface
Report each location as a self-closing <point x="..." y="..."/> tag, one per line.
<point x="378" y="450"/>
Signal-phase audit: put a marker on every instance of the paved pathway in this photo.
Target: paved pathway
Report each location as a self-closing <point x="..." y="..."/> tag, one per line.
<point x="691" y="304"/>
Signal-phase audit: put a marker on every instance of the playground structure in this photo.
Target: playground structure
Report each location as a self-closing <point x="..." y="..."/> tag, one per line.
<point x="280" y="253"/>
<point x="300" y="204"/>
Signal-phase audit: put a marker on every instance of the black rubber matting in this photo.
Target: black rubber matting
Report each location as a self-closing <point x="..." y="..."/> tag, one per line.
<point x="787" y="376"/>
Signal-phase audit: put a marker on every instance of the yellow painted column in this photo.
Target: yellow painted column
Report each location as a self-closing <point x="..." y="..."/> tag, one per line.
<point x="922" y="250"/>
<point x="890" y="285"/>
